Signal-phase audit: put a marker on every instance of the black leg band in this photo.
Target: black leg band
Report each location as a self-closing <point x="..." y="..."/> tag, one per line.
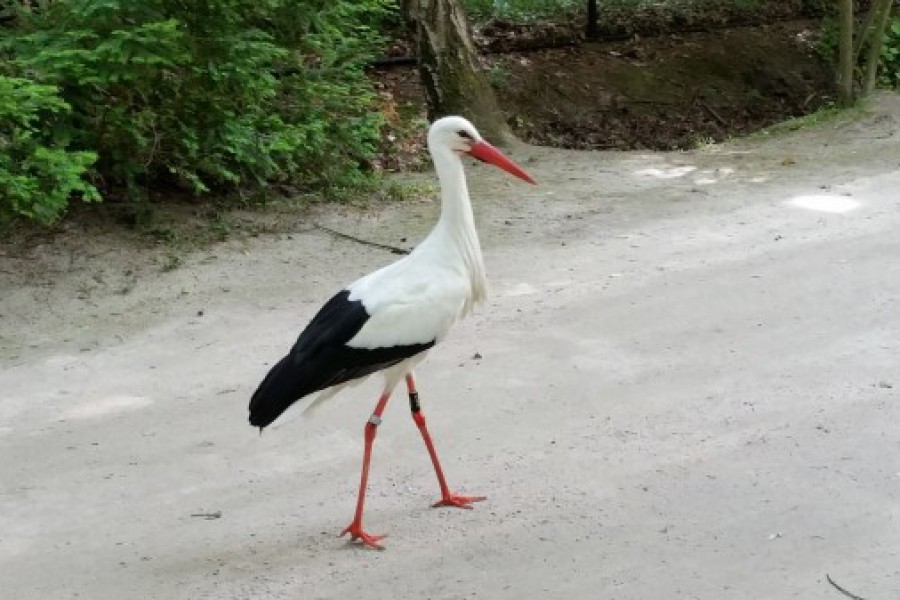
<point x="414" y="402"/>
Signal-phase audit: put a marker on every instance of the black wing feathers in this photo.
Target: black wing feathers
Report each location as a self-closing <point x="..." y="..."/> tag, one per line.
<point x="321" y="358"/>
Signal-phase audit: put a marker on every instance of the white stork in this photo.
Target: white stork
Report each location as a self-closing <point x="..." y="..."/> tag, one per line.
<point x="388" y="320"/>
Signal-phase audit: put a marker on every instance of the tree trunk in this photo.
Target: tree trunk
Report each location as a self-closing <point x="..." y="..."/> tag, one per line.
<point x="590" y="31"/>
<point x="448" y="65"/>
<point x="873" y="59"/>
<point x="864" y="31"/>
<point x="845" y="61"/>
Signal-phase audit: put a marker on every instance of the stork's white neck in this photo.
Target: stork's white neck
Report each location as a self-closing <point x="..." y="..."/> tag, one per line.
<point x="456" y="209"/>
<point x="456" y="226"/>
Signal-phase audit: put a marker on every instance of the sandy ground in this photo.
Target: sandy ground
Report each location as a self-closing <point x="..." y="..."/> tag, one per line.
<point x="684" y="385"/>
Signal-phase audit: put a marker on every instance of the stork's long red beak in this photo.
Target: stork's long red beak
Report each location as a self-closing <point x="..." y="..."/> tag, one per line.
<point x="484" y="151"/>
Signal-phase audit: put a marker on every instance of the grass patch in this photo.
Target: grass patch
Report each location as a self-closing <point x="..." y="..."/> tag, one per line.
<point x="828" y="115"/>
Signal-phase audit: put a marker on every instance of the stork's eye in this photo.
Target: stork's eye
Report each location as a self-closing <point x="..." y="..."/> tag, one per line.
<point x="464" y="134"/>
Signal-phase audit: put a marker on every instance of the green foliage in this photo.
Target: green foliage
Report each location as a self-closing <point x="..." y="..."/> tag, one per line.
<point x="498" y="76"/>
<point x="889" y="71"/>
<point x="686" y="10"/>
<point x="890" y="55"/>
<point x="531" y="10"/>
<point x="829" y="41"/>
<point x="37" y="172"/>
<point x="819" y="7"/>
<point x="216" y="95"/>
<point x="520" y="10"/>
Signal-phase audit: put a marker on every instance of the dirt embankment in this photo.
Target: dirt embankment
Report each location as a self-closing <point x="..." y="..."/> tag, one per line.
<point x="666" y="92"/>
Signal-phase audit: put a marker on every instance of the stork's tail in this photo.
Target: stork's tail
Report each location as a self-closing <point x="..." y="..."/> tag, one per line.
<point x="277" y="392"/>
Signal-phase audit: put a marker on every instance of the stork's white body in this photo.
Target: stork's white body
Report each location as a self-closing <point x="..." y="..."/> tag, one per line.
<point x="418" y="298"/>
<point x="387" y="321"/>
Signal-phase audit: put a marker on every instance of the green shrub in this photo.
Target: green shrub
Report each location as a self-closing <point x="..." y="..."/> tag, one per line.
<point x="521" y="10"/>
<point x="530" y="10"/>
<point x="37" y="172"/>
<point x="890" y="55"/>
<point x="215" y="95"/>
<point x="889" y="65"/>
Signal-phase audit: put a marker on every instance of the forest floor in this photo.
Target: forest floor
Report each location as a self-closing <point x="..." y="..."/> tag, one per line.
<point x="684" y="385"/>
<point x="673" y="91"/>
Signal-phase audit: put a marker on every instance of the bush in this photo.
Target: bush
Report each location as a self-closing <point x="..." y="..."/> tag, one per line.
<point x="521" y="10"/>
<point x="215" y="95"/>
<point x="37" y="172"/>
<point x="530" y="10"/>
<point x="889" y="65"/>
<point x="890" y="55"/>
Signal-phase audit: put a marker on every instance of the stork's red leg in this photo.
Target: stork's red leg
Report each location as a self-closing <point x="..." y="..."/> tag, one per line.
<point x="355" y="528"/>
<point x="448" y="498"/>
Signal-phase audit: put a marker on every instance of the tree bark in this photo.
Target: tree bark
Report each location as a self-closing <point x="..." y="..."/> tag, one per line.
<point x="864" y="31"/>
<point x="845" y="60"/>
<point x="448" y="65"/>
<point x="590" y="30"/>
<point x="873" y="59"/>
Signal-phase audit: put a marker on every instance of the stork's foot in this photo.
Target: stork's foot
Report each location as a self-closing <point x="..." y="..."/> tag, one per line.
<point x="459" y="501"/>
<point x="356" y="533"/>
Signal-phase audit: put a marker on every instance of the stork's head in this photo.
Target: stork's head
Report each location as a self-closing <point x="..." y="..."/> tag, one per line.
<point x="461" y="137"/>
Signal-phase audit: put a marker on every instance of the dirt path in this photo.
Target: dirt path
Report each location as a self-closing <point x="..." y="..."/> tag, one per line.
<point x="688" y="388"/>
